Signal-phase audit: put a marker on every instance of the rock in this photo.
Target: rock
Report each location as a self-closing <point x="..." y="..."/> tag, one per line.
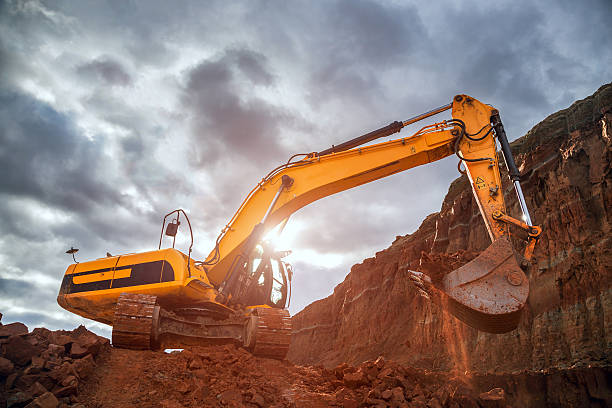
<point x="46" y="400"/>
<point x="69" y="380"/>
<point x="63" y="371"/>
<point x="493" y="398"/>
<point x="66" y="391"/>
<point x="41" y="333"/>
<point x="19" y="351"/>
<point x="195" y="364"/>
<point x="37" y="389"/>
<point x="201" y="374"/>
<point x="78" y="351"/>
<point x="18" y="399"/>
<point x="385" y="373"/>
<point x="495" y="394"/>
<point x="397" y="396"/>
<point x="182" y="386"/>
<point x="355" y="379"/>
<point x="55" y="349"/>
<point x="201" y="392"/>
<point x="84" y="366"/>
<point x="374" y="394"/>
<point x="373" y="402"/>
<point x="38" y="362"/>
<point x="25" y="381"/>
<point x="28" y="381"/>
<point x="258" y="400"/>
<point x="434" y="403"/>
<point x="90" y="342"/>
<point x="59" y="338"/>
<point x="32" y="340"/>
<point x="13" y="329"/>
<point x="6" y="367"/>
<point x="231" y="396"/>
<point x="10" y="381"/>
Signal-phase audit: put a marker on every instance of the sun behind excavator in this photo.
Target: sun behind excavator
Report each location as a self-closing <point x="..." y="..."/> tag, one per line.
<point x="166" y="299"/>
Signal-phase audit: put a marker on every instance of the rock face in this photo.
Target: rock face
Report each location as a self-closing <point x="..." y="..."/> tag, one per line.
<point x="567" y="180"/>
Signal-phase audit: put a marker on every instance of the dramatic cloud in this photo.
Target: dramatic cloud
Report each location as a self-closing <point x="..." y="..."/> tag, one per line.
<point x="106" y="69"/>
<point x="114" y="113"/>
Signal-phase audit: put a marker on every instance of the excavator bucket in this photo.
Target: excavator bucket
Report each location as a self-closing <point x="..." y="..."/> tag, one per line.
<point x="489" y="292"/>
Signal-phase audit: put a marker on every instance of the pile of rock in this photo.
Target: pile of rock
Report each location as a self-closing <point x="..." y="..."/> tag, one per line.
<point x="383" y="383"/>
<point x="43" y="368"/>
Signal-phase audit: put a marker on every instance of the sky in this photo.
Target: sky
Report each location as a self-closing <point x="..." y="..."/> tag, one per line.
<point x="114" y="113"/>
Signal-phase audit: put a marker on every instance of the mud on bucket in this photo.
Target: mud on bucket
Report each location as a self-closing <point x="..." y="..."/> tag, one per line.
<point x="489" y="292"/>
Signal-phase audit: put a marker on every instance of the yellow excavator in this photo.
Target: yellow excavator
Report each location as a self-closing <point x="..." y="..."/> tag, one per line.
<point x="166" y="299"/>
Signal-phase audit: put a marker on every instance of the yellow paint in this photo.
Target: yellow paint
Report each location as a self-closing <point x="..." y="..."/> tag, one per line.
<point x="94" y="277"/>
<point x="122" y="273"/>
<point x="99" y="305"/>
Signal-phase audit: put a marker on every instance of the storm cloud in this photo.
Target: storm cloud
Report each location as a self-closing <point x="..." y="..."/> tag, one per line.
<point x="114" y="113"/>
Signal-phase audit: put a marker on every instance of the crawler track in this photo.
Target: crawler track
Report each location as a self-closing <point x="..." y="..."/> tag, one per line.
<point x="268" y="333"/>
<point x="133" y="325"/>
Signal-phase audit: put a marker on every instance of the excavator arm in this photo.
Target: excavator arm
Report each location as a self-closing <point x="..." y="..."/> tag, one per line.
<point x="488" y="293"/>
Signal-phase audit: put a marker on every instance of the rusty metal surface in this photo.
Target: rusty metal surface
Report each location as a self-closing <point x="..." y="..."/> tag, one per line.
<point x="133" y="323"/>
<point x="490" y="292"/>
<point x="268" y="333"/>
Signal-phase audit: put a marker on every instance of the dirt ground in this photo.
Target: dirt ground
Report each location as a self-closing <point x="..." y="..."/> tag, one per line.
<point x="230" y="376"/>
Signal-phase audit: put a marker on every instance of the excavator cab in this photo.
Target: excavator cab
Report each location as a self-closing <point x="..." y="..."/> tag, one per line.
<point x="268" y="279"/>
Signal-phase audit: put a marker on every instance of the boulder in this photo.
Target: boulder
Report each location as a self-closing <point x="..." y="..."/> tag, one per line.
<point x="13" y="329"/>
<point x="19" y="351"/>
<point x="355" y="379"/>
<point x="46" y="400"/>
<point x="78" y="351"/>
<point x="63" y="371"/>
<point x="6" y="367"/>
<point x="59" y="338"/>
<point x="37" y="389"/>
<point x="84" y="366"/>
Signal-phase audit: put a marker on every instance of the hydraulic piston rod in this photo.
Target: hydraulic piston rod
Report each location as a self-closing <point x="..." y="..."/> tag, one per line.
<point x="382" y="132"/>
<point x="513" y="172"/>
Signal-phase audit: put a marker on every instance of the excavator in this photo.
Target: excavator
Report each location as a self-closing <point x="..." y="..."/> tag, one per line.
<point x="238" y="294"/>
